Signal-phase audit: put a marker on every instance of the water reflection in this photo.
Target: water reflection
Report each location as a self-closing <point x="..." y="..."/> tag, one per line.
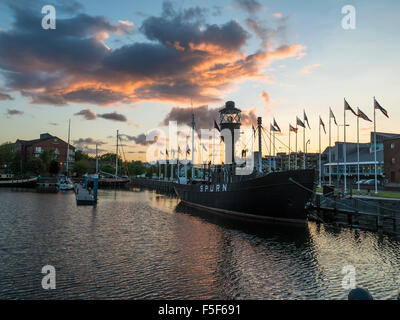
<point x="142" y="245"/>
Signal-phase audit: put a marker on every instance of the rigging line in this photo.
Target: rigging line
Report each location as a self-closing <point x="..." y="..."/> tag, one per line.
<point x="123" y="153"/>
<point x="266" y="145"/>
<point x="285" y="145"/>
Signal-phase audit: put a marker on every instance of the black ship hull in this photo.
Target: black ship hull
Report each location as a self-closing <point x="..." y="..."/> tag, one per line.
<point x="279" y="196"/>
<point x="19" y="183"/>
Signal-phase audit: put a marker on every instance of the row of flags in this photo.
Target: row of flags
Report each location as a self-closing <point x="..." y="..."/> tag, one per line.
<point x="347" y="107"/>
<point x="274" y="127"/>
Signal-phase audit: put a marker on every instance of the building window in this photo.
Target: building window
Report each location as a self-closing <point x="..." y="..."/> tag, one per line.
<point x="38" y="149"/>
<point x="393" y="160"/>
<point x="392" y="146"/>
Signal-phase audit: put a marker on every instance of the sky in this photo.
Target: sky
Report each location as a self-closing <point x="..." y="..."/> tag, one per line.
<point x="134" y="65"/>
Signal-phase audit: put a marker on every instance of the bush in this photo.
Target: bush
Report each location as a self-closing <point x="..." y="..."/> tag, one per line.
<point x="35" y="165"/>
<point x="81" y="167"/>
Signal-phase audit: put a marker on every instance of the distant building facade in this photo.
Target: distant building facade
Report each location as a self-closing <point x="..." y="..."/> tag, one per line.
<point x="33" y="148"/>
<point x="392" y="160"/>
<point x="366" y="160"/>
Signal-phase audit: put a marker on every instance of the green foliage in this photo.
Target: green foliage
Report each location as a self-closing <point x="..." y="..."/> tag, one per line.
<point x="136" y="168"/>
<point x="81" y="167"/>
<point x="54" y="167"/>
<point x="107" y="168"/>
<point x="150" y="171"/>
<point x="47" y="156"/>
<point x="79" y="155"/>
<point x="109" y="157"/>
<point x="35" y="165"/>
<point x="10" y="157"/>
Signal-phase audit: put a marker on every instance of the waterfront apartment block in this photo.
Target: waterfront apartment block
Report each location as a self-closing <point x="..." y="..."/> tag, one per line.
<point x="392" y="160"/>
<point x="33" y="148"/>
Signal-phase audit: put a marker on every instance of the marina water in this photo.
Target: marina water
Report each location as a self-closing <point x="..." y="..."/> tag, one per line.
<point x="138" y="244"/>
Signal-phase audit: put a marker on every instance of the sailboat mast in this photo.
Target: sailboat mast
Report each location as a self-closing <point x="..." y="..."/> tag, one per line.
<point x="69" y="129"/>
<point x="193" y="125"/>
<point x="97" y="160"/>
<point x="116" y="159"/>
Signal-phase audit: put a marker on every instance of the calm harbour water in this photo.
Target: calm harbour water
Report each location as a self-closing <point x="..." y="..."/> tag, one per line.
<point x="142" y="245"/>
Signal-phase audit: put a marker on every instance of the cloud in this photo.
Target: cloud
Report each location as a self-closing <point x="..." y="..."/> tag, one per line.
<point x="204" y="116"/>
<point x="87" y="114"/>
<point x="5" y="96"/>
<point x="269" y="104"/>
<point x="181" y="56"/>
<point x="309" y="68"/>
<point x="251" y="6"/>
<point x="88" y="141"/>
<point x="277" y="15"/>
<point x="141" y="138"/>
<point x="114" y="116"/>
<point x="266" y="98"/>
<point x="14" y="112"/>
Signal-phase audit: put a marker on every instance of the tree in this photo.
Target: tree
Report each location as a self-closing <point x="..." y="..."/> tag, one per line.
<point x="54" y="167"/>
<point x="150" y="171"/>
<point x="107" y="168"/>
<point x="10" y="157"/>
<point x="47" y="156"/>
<point x="79" y="155"/>
<point x="136" y="168"/>
<point x="35" y="165"/>
<point x="81" y="167"/>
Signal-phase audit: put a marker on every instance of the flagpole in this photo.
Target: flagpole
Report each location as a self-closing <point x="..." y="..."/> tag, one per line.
<point x="344" y="153"/>
<point x="358" y="153"/>
<point x="376" y="181"/>
<point x="295" y="165"/>
<point x="193" y="125"/>
<point x="274" y="152"/>
<point x="337" y="157"/>
<point x="304" y="146"/>
<point x="289" y="147"/>
<point x="320" y="178"/>
<point x="177" y="165"/>
<point x="330" y="148"/>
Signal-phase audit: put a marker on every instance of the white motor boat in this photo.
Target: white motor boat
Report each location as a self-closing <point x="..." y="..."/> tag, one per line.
<point x="65" y="183"/>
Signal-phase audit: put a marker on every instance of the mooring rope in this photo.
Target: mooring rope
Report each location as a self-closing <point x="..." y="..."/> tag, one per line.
<point x="344" y="204"/>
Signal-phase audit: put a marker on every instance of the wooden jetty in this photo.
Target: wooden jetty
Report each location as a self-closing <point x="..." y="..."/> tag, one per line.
<point x="47" y="185"/>
<point x="83" y="196"/>
<point x="361" y="212"/>
<point x="158" y="185"/>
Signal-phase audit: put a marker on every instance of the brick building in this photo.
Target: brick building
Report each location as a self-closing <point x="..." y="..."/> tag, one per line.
<point x="33" y="148"/>
<point x="392" y="160"/>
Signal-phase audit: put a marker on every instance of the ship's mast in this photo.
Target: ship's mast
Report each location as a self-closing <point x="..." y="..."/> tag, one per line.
<point x="259" y="122"/>
<point x="116" y="159"/>
<point x="193" y="126"/>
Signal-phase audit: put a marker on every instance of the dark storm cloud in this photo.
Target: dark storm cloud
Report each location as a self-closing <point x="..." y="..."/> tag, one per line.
<point x="114" y="116"/>
<point x="204" y="116"/>
<point x="141" y="138"/>
<point x="251" y="6"/>
<point x="5" y="96"/>
<point x="182" y="57"/>
<point x="95" y="96"/>
<point x="178" y="30"/>
<point x="87" y="114"/>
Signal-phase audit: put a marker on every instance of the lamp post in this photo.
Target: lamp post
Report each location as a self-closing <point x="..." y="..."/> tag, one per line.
<point x="337" y="153"/>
